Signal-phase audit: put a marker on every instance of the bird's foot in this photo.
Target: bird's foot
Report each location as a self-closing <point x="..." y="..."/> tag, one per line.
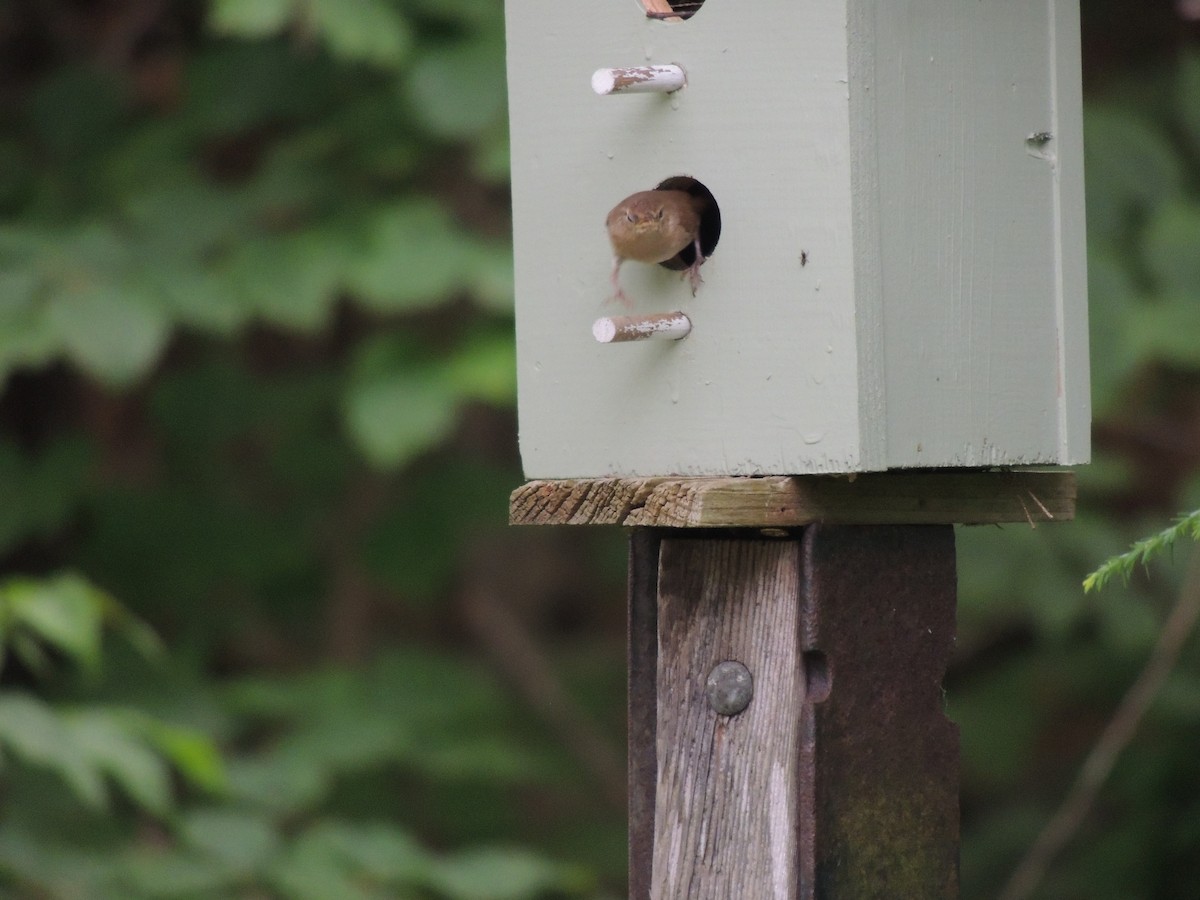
<point x="693" y="275"/>
<point x="620" y="297"/>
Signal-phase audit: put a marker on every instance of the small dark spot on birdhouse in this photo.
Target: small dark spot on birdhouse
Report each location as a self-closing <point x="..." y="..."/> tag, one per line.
<point x="803" y="258"/>
<point x="710" y="220"/>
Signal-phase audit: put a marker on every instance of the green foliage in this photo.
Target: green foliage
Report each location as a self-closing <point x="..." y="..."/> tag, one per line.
<point x="255" y="313"/>
<point x="258" y="377"/>
<point x="1143" y="551"/>
<point x="1044" y="661"/>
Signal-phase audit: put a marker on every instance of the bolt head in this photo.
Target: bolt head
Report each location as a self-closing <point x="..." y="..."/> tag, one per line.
<point x="729" y="688"/>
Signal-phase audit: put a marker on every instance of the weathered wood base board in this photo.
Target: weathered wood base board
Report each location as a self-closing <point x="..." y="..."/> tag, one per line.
<point x="785" y="501"/>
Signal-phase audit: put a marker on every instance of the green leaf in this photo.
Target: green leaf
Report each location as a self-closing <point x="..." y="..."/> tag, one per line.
<point x="304" y="875"/>
<point x="1143" y="551"/>
<point x="504" y="874"/>
<point x="279" y="782"/>
<point x="1188" y="93"/>
<point x="1114" y="308"/>
<point x="241" y="841"/>
<point x="108" y="744"/>
<point x="237" y="86"/>
<point x="485" y="368"/>
<point x="289" y="281"/>
<point x="77" y="111"/>
<point x="36" y="733"/>
<point x="370" y="31"/>
<point x="415" y="547"/>
<point x="1171" y="249"/>
<point x="65" y="612"/>
<point x="492" y="277"/>
<point x="114" y="331"/>
<point x="1166" y="331"/>
<point x="41" y="491"/>
<point x="1131" y="168"/>
<point x="382" y="851"/>
<point x="250" y="18"/>
<point x="414" y="258"/>
<point x="178" y="874"/>
<point x="192" y="753"/>
<point x="394" y="419"/>
<point x="458" y="90"/>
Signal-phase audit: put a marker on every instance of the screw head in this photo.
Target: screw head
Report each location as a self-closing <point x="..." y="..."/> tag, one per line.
<point x="729" y="688"/>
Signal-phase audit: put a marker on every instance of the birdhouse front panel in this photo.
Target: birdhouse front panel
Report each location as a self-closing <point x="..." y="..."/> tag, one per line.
<point x="890" y="247"/>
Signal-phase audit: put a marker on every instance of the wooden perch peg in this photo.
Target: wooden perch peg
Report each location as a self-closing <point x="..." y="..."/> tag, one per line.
<point x="672" y="326"/>
<point x="639" y="80"/>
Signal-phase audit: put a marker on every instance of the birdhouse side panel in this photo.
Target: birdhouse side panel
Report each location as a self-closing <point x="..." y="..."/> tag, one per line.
<point x="977" y="174"/>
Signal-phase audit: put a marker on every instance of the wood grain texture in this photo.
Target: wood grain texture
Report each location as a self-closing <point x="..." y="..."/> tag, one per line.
<point x="917" y="498"/>
<point x="726" y="800"/>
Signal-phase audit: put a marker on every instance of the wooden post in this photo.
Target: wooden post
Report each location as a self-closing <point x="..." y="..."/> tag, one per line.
<point x="838" y="780"/>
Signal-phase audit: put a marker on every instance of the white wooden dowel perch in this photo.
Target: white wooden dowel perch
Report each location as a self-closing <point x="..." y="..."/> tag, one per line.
<point x="639" y="80"/>
<point x="672" y="326"/>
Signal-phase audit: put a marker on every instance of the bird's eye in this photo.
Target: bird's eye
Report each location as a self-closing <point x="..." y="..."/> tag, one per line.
<point x="630" y="217"/>
<point x="659" y="215"/>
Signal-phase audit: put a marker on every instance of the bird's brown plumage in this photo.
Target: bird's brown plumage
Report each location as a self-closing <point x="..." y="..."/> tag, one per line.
<point x="652" y="227"/>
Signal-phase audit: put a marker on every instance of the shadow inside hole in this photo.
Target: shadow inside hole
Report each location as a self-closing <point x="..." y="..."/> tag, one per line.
<point x="710" y="221"/>
<point x="678" y="9"/>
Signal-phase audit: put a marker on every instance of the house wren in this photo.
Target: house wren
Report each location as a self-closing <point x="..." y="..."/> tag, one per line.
<point x="652" y="227"/>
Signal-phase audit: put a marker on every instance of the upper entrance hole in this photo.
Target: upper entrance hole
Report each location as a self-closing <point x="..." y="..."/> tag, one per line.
<point x="671" y="10"/>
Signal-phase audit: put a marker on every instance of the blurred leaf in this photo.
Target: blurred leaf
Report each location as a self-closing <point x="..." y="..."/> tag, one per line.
<point x="393" y="420"/>
<point x="504" y="874"/>
<point x="36" y="733"/>
<point x="251" y="18"/>
<point x="416" y="546"/>
<point x="305" y="875"/>
<point x="484" y="367"/>
<point x="177" y="874"/>
<point x="1170" y="249"/>
<point x="115" y="332"/>
<point x="109" y="746"/>
<point x="281" y="783"/>
<point x="41" y="491"/>
<point x="371" y="31"/>
<point x="192" y="754"/>
<point x="1131" y="168"/>
<point x="492" y="161"/>
<point x="65" y="612"/>
<point x="77" y="110"/>
<point x="242" y="842"/>
<point x="492" y="277"/>
<point x="1188" y="94"/>
<point x="458" y="90"/>
<point x="1114" y="307"/>
<point x="997" y="735"/>
<point x="414" y="258"/>
<point x="382" y="851"/>
<point x="235" y="86"/>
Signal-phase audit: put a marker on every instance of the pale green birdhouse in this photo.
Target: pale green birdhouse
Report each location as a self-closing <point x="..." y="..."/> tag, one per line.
<point x="895" y="272"/>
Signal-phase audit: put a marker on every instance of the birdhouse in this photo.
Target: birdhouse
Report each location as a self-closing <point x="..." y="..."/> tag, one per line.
<point x="889" y="250"/>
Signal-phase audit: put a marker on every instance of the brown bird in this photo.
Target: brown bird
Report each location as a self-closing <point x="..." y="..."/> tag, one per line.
<point x="652" y="227"/>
